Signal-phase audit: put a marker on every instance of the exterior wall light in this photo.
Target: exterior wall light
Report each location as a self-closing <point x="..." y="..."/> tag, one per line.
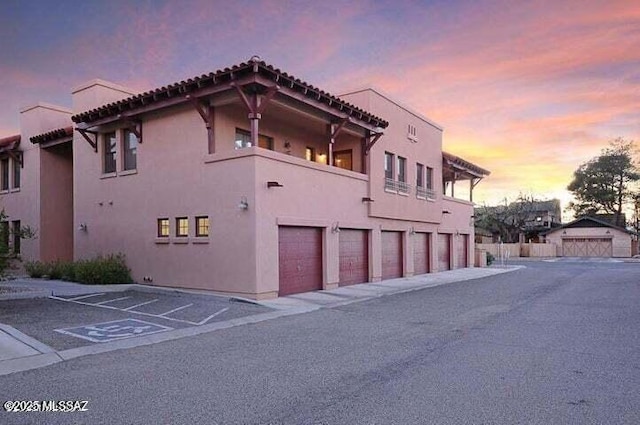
<point x="412" y="231"/>
<point x="244" y="204"/>
<point x="367" y="199"/>
<point x="335" y="228"/>
<point x="274" y="184"/>
<point x="82" y="227"/>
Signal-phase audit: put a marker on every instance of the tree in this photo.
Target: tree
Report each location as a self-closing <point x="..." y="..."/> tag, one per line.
<point x="603" y="184"/>
<point x="25" y="232"/>
<point x="508" y="221"/>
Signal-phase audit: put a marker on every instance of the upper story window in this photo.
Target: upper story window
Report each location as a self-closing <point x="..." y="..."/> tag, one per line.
<point x="343" y="159"/>
<point x="202" y="226"/>
<point x="419" y="175"/>
<point x="429" y="179"/>
<point x="16" y="174"/>
<point x="388" y="165"/>
<point x="402" y="169"/>
<point x="163" y="227"/>
<point x="109" y="153"/>
<point x="182" y="227"/>
<point x="130" y="150"/>
<point x="4" y="174"/>
<point x="243" y="140"/>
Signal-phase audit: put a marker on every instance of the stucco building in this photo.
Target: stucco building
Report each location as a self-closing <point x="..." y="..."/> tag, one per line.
<point x="245" y="181"/>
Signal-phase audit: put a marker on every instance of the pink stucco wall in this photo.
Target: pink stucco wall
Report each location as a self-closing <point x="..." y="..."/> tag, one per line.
<point x="36" y="204"/>
<point x="177" y="176"/>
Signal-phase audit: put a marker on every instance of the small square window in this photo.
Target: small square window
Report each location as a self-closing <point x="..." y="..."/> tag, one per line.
<point x="182" y="227"/>
<point x="202" y="226"/>
<point x="163" y="227"/>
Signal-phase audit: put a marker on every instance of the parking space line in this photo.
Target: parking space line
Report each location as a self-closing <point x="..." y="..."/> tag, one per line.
<point x="139" y="305"/>
<point x="175" y="309"/>
<point x="110" y="301"/>
<point x="83" y="296"/>
<point x="212" y="316"/>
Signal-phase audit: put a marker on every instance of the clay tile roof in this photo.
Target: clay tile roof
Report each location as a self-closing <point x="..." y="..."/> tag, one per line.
<point x="456" y="160"/>
<point x="9" y="143"/>
<point x="228" y="75"/>
<point x="58" y="133"/>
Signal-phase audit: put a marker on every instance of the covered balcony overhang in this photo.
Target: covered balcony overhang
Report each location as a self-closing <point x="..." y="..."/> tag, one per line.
<point x="9" y="147"/>
<point x="257" y="86"/>
<point x="456" y="169"/>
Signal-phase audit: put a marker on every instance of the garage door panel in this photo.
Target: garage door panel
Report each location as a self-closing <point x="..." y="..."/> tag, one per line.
<point x="587" y="247"/>
<point x="444" y="252"/>
<point x="421" y="253"/>
<point x="391" y="255"/>
<point x="300" y="259"/>
<point x="354" y="256"/>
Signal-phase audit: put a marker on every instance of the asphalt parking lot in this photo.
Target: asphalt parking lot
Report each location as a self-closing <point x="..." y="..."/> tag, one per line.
<point x="76" y="321"/>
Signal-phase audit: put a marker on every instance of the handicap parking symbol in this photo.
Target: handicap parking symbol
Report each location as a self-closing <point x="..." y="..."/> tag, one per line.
<point x="111" y="331"/>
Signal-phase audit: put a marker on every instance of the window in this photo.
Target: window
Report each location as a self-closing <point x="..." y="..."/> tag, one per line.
<point x="243" y="140"/>
<point x="388" y="165"/>
<point x="429" y="178"/>
<point x="182" y="227"/>
<point x="4" y="173"/>
<point x="419" y="175"/>
<point x="310" y="154"/>
<point x="130" y="150"/>
<point x="163" y="227"/>
<point x="16" y="174"/>
<point x="343" y="159"/>
<point x="202" y="226"/>
<point x="402" y="169"/>
<point x="412" y="133"/>
<point x="109" y="153"/>
<point x="16" y="236"/>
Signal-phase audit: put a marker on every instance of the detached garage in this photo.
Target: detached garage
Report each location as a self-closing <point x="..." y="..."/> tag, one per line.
<point x="591" y="237"/>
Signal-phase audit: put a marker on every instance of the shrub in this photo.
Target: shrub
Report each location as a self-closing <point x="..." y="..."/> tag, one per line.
<point x="62" y="270"/>
<point x="103" y="270"/>
<point x="36" y="268"/>
<point x="97" y="271"/>
<point x="490" y="258"/>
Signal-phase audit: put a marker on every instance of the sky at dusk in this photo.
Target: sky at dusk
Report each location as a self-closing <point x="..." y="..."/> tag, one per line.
<point x="526" y="89"/>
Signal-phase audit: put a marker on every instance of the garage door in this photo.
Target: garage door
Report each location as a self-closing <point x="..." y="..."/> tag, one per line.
<point x="300" y="259"/>
<point x="462" y="251"/>
<point x="391" y="255"/>
<point x="421" y="253"/>
<point x="587" y="247"/>
<point x="444" y="253"/>
<point x="354" y="256"/>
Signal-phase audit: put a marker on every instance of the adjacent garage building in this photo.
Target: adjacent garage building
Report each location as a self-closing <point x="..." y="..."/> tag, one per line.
<point x="591" y="237"/>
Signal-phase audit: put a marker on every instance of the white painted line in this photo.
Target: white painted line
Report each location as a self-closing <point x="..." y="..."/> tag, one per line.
<point x="110" y="301"/>
<point x="120" y="309"/>
<point x="175" y="309"/>
<point x="83" y="296"/>
<point x="139" y="305"/>
<point x="212" y="316"/>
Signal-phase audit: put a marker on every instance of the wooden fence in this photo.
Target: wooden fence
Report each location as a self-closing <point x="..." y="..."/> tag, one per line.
<point x="511" y="250"/>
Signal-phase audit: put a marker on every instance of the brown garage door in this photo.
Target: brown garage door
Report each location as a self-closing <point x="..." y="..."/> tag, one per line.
<point x="354" y="256"/>
<point x="391" y="255"/>
<point x="587" y="247"/>
<point x="463" y="251"/>
<point x="300" y="259"/>
<point x="444" y="253"/>
<point x="421" y="253"/>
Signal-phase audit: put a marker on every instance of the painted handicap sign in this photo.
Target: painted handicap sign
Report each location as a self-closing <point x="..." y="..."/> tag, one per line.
<point x="111" y="331"/>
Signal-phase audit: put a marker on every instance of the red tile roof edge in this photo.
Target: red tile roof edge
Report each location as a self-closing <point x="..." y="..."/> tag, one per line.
<point x="193" y="84"/>
<point x="52" y="135"/>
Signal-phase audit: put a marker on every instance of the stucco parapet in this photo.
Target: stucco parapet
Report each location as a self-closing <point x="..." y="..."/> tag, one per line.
<point x="103" y="83"/>
<point x="46" y="106"/>
<point x="456" y="200"/>
<point x="280" y="157"/>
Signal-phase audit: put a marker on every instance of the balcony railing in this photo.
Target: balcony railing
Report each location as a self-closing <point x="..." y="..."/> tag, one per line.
<point x="396" y="186"/>
<point x="423" y="192"/>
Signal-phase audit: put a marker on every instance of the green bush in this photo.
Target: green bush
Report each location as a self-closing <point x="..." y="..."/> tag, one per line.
<point x="490" y="258"/>
<point x="36" y="268"/>
<point x="103" y="270"/>
<point x="97" y="271"/>
<point x="62" y="270"/>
